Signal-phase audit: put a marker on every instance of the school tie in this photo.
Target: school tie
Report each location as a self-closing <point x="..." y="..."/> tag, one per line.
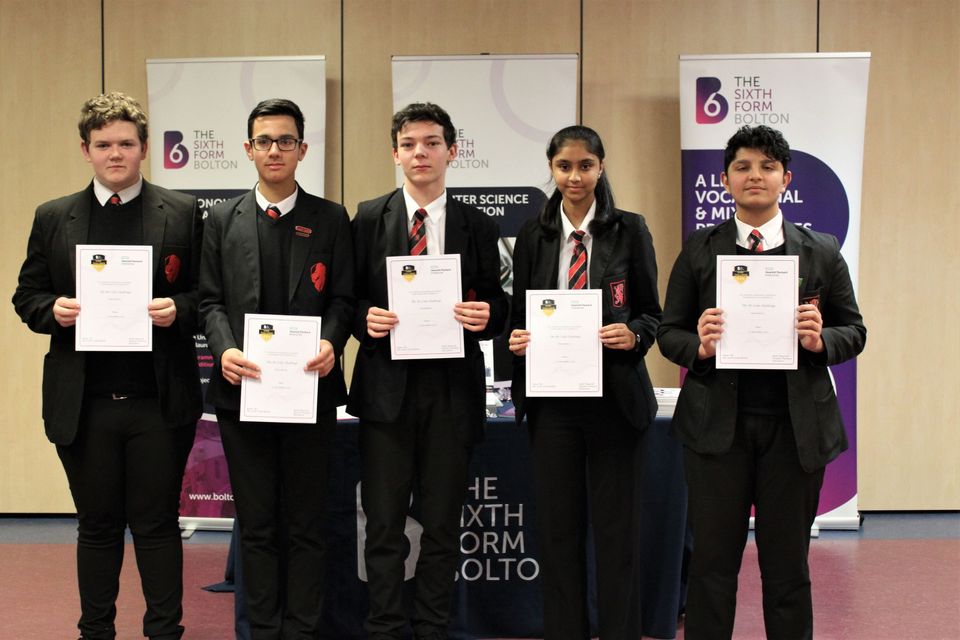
<point x="577" y="273"/>
<point x="756" y="241"/>
<point x="273" y="212"/>
<point x="418" y="234"/>
<point x="114" y="200"/>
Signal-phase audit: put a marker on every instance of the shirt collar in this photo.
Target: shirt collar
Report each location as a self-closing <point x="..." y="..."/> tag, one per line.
<point x="286" y="205"/>
<point x="771" y="230"/>
<point x="126" y="195"/>
<point x="435" y="209"/>
<point x="567" y="226"/>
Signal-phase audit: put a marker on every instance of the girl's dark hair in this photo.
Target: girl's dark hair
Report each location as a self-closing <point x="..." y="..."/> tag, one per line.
<point x="605" y="216"/>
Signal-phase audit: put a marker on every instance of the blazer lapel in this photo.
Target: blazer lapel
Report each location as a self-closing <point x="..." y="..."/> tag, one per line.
<point x="154" y="222"/>
<point x="395" y="225"/>
<point x="455" y="229"/>
<point x="246" y="212"/>
<point x="602" y="248"/>
<point x="796" y="245"/>
<point x="723" y="242"/>
<point x="78" y="228"/>
<point x="304" y="221"/>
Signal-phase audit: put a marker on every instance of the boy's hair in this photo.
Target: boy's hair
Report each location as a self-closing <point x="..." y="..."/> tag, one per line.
<point x="766" y="140"/>
<point x="100" y="111"/>
<point x="276" y="107"/>
<point x="423" y="112"/>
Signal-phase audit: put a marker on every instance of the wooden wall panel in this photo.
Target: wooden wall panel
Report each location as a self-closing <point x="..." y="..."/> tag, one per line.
<point x="374" y="30"/>
<point x="909" y="374"/>
<point x="631" y="96"/>
<point x="137" y="30"/>
<point x="49" y="65"/>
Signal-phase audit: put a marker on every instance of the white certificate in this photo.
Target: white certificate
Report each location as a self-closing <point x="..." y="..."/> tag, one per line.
<point x="565" y="355"/>
<point x="422" y="291"/>
<point x="280" y="346"/>
<point x="758" y="295"/>
<point x="114" y="288"/>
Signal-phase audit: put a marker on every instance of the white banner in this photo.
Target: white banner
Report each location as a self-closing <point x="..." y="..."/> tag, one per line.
<point x="198" y="118"/>
<point x="198" y="123"/>
<point x="819" y="102"/>
<point x="505" y="109"/>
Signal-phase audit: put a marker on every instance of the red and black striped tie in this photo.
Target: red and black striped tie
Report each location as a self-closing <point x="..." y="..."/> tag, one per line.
<point x="577" y="273"/>
<point x="273" y="212"/>
<point x="114" y="200"/>
<point x="418" y="234"/>
<point x="756" y="241"/>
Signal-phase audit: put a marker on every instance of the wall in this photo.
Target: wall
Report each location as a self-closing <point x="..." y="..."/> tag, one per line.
<point x="51" y="60"/>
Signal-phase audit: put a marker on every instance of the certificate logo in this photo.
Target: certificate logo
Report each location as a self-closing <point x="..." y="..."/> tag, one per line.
<point x="266" y="332"/>
<point x="98" y="261"/>
<point x="408" y="272"/>
<point x="548" y="306"/>
<point x="741" y="273"/>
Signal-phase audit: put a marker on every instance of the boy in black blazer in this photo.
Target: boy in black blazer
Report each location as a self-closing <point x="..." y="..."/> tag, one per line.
<point x="419" y="419"/>
<point x="123" y="422"/>
<point x="754" y="437"/>
<point x="278" y="250"/>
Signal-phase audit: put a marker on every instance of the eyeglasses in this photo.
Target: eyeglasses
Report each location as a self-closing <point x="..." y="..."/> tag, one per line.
<point x="286" y="143"/>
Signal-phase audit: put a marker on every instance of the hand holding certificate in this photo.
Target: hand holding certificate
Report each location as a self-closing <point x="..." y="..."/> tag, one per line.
<point x="114" y="288"/>
<point x="422" y="291"/>
<point x="564" y="356"/>
<point x="281" y="346"/>
<point x="758" y="295"/>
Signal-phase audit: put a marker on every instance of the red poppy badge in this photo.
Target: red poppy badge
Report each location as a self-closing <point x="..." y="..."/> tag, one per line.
<point x="318" y="276"/>
<point x="171" y="268"/>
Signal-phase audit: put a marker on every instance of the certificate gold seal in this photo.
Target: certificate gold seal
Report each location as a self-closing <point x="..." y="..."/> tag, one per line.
<point x="98" y="261"/>
<point x="548" y="306"/>
<point x="266" y="332"/>
<point x="408" y="272"/>
<point x="741" y="273"/>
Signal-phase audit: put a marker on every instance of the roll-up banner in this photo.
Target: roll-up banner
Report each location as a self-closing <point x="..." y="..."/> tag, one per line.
<point x="198" y="122"/>
<point x="505" y="109"/>
<point x="819" y="102"/>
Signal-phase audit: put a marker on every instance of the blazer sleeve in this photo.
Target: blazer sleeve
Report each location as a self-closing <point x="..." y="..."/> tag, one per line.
<point x="844" y="334"/>
<point x="361" y="273"/>
<point x="188" y="301"/>
<point x="677" y="335"/>
<point x="487" y="284"/>
<point x="338" y="317"/>
<point x="213" y="310"/>
<point x="35" y="293"/>
<point x="645" y="299"/>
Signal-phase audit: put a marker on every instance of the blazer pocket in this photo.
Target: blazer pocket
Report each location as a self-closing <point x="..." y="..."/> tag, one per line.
<point x="616" y="300"/>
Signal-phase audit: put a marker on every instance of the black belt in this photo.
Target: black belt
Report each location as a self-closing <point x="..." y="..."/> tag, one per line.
<point x="128" y="395"/>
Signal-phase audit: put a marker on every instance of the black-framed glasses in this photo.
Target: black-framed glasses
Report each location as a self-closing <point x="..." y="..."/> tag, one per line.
<point x="284" y="143"/>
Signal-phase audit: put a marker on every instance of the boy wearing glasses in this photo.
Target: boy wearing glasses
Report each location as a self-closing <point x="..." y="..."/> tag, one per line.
<point x="277" y="250"/>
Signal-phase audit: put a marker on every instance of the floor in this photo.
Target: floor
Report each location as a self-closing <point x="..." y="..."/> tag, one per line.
<point x="898" y="577"/>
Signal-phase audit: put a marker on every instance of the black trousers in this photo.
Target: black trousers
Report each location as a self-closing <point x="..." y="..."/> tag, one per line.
<point x="584" y="453"/>
<point x="421" y="453"/>
<point x="279" y="475"/>
<point x="125" y="467"/>
<point x="762" y="469"/>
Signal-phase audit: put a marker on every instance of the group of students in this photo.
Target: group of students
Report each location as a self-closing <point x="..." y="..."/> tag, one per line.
<point x="124" y="422"/>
